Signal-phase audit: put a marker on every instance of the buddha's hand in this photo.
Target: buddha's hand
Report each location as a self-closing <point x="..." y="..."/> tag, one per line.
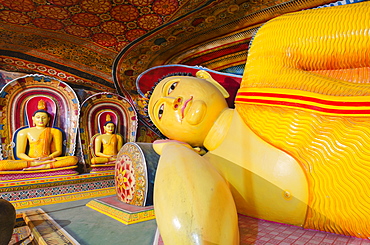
<point x="42" y="160"/>
<point x="112" y="158"/>
<point x="38" y="167"/>
<point x="159" y="144"/>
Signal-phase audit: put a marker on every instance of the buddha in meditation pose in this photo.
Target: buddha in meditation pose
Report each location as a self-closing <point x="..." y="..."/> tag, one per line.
<point x="45" y="146"/>
<point x="107" y="145"/>
<point x="296" y="149"/>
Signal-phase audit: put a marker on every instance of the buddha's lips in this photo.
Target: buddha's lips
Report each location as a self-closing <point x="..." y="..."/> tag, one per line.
<point x="184" y="106"/>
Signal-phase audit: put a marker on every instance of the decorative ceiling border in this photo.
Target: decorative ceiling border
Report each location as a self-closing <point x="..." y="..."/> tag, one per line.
<point x="9" y="61"/>
<point x="58" y="48"/>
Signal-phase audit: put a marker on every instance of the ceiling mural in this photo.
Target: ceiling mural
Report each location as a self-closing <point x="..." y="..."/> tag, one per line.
<point x="216" y="35"/>
<point x="111" y="24"/>
<point x="76" y="40"/>
<point x="103" y="45"/>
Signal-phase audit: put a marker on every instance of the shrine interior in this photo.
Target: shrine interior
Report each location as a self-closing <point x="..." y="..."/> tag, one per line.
<point x="83" y="59"/>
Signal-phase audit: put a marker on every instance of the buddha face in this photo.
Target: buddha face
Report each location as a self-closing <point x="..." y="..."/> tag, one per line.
<point x="41" y="119"/>
<point x="185" y="108"/>
<point x="109" y="128"/>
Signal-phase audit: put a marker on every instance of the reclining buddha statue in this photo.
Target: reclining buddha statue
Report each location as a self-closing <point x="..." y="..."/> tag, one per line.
<point x="296" y="148"/>
<point x="39" y="147"/>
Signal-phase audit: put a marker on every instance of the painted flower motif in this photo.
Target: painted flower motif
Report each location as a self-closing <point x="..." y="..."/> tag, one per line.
<point x="53" y="12"/>
<point x="49" y="24"/>
<point x="145" y="10"/>
<point x="96" y="6"/>
<point x="125" y="179"/>
<point x="125" y="13"/>
<point x="75" y="9"/>
<point x="149" y="21"/>
<point x="67" y="22"/>
<point x="40" y="1"/>
<point x="121" y="45"/>
<point x="113" y="27"/>
<point x="78" y="31"/>
<point x="104" y="39"/>
<point x="19" y="5"/>
<point x="165" y="7"/>
<point x="64" y="2"/>
<point x="121" y="38"/>
<point x="105" y="17"/>
<point x="140" y="2"/>
<point x="14" y="17"/>
<point x="95" y="29"/>
<point x="131" y="35"/>
<point x="132" y="25"/>
<point x="86" y="19"/>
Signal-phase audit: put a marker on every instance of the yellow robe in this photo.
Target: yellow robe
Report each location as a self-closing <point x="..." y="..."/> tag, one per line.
<point x="40" y="148"/>
<point x="308" y="94"/>
<point x="109" y="148"/>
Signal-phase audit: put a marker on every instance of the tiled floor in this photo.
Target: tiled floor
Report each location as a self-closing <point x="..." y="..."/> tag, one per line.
<point x="258" y="232"/>
<point x="254" y="231"/>
<point x="90" y="227"/>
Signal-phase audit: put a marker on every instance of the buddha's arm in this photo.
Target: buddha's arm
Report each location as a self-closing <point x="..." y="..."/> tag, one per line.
<point x="193" y="203"/>
<point x="98" y="147"/>
<point x="119" y="142"/>
<point x="58" y="142"/>
<point x="21" y="146"/>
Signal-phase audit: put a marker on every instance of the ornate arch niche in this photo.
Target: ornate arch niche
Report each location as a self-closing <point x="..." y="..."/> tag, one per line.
<point x="93" y="116"/>
<point x="19" y="98"/>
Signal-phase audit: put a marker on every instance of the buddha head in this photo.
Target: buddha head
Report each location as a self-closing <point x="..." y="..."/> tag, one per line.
<point x="109" y="125"/>
<point x="185" y="108"/>
<point x="41" y="117"/>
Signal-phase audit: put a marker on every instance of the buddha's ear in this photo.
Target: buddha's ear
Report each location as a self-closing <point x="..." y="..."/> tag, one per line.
<point x="205" y="75"/>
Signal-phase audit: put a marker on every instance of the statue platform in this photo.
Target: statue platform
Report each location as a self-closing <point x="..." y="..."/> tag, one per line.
<point x="44" y="191"/>
<point x="118" y="210"/>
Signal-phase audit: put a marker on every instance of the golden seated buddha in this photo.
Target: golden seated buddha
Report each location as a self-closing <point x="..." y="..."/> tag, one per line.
<point x="107" y="145"/>
<point x="44" y="146"/>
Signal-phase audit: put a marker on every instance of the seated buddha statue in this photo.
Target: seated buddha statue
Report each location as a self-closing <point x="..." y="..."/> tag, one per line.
<point x="294" y="150"/>
<point x="44" y="146"/>
<point x="107" y="145"/>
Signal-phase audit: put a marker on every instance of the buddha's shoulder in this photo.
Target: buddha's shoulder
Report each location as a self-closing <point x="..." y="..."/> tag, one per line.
<point x="55" y="130"/>
<point x="24" y="131"/>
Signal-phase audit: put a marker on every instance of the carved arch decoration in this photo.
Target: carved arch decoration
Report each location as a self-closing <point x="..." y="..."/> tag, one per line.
<point x="17" y="100"/>
<point x="93" y="113"/>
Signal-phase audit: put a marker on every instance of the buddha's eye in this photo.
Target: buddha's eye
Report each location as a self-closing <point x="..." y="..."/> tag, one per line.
<point x="160" y="111"/>
<point x="172" y="87"/>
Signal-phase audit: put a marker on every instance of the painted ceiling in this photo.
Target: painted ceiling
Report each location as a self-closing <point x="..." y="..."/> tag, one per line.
<point x="103" y="45"/>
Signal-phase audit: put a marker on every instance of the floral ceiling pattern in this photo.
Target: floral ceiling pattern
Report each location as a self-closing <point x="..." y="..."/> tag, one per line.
<point x="77" y="41"/>
<point x="102" y="45"/>
<point x="108" y="23"/>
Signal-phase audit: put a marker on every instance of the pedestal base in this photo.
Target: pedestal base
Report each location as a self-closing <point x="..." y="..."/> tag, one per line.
<point x="38" y="192"/>
<point x="125" y="213"/>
